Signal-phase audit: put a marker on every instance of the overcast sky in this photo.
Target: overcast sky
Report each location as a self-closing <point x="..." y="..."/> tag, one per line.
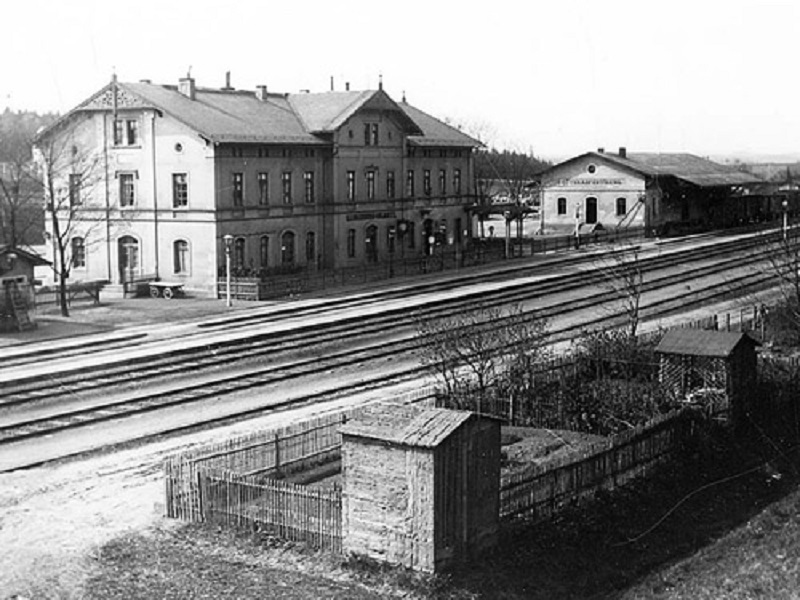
<point x="707" y="76"/>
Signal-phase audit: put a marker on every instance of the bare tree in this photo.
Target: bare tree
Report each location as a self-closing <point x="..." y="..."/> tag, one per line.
<point x="69" y="176"/>
<point x="477" y="352"/>
<point x="783" y="260"/>
<point x="621" y="268"/>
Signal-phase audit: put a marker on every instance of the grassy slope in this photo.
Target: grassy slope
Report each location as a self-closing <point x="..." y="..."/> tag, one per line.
<point x="735" y="539"/>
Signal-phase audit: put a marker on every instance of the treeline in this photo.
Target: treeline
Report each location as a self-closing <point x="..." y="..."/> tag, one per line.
<point x="508" y="165"/>
<point x="21" y="200"/>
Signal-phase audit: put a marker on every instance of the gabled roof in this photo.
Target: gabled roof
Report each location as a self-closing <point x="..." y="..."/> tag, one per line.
<point x="326" y="112"/>
<point x="688" y="167"/>
<point x="239" y="116"/>
<point x="229" y="115"/>
<point x="436" y="132"/>
<point x="702" y="342"/>
<point x="406" y="424"/>
<point x="31" y="257"/>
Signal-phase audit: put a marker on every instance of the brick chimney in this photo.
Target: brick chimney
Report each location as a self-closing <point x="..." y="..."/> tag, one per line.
<point x="601" y="150"/>
<point x="227" y="87"/>
<point x="623" y="152"/>
<point x="186" y="87"/>
<point x="261" y="92"/>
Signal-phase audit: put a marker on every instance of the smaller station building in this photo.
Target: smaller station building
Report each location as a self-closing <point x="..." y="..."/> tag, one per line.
<point x="661" y="192"/>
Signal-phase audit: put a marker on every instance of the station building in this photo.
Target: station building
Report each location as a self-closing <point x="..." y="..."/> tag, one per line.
<point x="161" y="174"/>
<point x="656" y="191"/>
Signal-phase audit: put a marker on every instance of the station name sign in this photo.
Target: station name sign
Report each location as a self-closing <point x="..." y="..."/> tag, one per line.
<point x="591" y="181"/>
<point x="372" y="215"/>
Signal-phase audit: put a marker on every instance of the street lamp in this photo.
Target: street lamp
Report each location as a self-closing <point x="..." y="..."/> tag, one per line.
<point x="228" y="243"/>
<point x="507" y="217"/>
<point x="785" y="205"/>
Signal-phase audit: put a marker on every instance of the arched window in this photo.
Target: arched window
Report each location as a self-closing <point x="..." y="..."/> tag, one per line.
<point x="287" y="248"/>
<point x="311" y="247"/>
<point x="180" y="256"/>
<point x="78" y="248"/>
<point x="263" y="251"/>
<point x="238" y="253"/>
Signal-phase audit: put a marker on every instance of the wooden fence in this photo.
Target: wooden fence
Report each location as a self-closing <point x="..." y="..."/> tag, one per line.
<point x="266" y="454"/>
<point x="291" y="512"/>
<point x="539" y="492"/>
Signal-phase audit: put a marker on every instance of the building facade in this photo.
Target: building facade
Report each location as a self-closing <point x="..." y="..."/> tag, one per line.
<point x="650" y="190"/>
<point x="300" y="181"/>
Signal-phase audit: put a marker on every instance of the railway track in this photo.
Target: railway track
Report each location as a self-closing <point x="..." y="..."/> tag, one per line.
<point x="203" y="353"/>
<point x="26" y="427"/>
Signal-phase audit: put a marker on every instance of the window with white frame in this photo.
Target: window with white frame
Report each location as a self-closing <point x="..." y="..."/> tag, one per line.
<point x="75" y="198"/>
<point x="238" y="189"/>
<point x="263" y="189"/>
<point x="127" y="189"/>
<point x="78" y="251"/>
<point x="286" y="183"/>
<point x="308" y="181"/>
<point x="180" y="256"/>
<point x="370" y="185"/>
<point x="180" y="190"/>
<point x="351" y="185"/>
<point x="126" y="132"/>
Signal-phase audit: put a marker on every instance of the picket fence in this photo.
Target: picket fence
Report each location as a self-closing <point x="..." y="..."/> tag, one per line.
<point x="539" y="492"/>
<point x="265" y="455"/>
<point x="292" y="512"/>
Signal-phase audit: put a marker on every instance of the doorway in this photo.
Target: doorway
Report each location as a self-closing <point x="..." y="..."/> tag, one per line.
<point x="591" y="210"/>
<point x="128" y="258"/>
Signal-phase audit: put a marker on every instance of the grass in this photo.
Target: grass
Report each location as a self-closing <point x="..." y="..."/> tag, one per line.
<point x="713" y="526"/>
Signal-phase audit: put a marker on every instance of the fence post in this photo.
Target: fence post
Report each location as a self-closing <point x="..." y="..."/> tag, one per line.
<point x="277" y="455"/>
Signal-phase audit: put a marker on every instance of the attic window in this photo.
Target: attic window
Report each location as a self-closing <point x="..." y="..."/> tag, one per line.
<point x="591" y="168"/>
<point x="178" y="147"/>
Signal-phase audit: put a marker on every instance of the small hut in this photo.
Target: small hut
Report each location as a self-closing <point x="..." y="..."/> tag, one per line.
<point x="16" y="286"/>
<point x="714" y="369"/>
<point x="420" y="485"/>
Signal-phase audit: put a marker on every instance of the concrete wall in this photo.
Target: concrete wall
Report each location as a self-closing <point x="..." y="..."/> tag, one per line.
<point x="387" y="503"/>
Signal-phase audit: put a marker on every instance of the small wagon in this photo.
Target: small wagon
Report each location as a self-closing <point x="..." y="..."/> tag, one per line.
<point x="165" y="289"/>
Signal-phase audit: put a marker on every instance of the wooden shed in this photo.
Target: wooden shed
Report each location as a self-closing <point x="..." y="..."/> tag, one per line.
<point x="420" y="485"/>
<point x="715" y="369"/>
<point x="16" y="287"/>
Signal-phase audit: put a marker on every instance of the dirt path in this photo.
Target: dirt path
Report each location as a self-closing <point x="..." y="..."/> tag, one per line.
<point x="53" y="518"/>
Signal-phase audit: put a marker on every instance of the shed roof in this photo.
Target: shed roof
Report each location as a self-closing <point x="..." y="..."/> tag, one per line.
<point x="30" y="257"/>
<point x="702" y="342"/>
<point x="406" y="424"/>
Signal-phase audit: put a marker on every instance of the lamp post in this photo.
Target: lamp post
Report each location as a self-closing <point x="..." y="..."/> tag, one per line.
<point x="507" y="217"/>
<point x="228" y="242"/>
<point x="785" y="205"/>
